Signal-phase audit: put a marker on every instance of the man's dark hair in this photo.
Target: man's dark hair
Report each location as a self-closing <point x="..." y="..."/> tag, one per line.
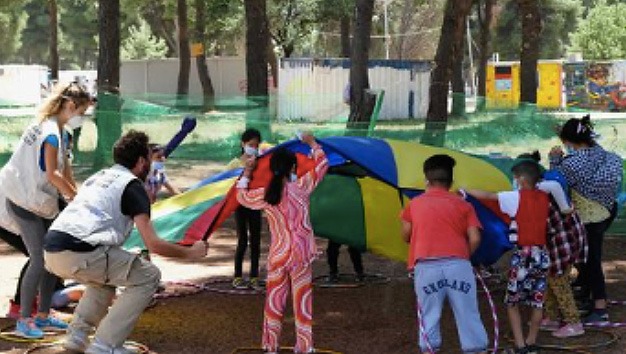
<point x="130" y="147"/>
<point x="250" y="134"/>
<point x="439" y="170"/>
<point x="529" y="170"/>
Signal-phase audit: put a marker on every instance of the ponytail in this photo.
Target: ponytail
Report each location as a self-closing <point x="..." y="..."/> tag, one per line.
<point x="281" y="164"/>
<point x="578" y="131"/>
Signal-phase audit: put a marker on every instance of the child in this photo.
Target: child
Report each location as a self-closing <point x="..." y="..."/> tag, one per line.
<point x="566" y="244"/>
<point x="292" y="249"/>
<point x="443" y="231"/>
<point x="248" y="220"/>
<point x="157" y="177"/>
<point x="528" y="209"/>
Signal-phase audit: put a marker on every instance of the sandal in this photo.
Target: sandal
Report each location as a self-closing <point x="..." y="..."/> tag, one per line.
<point x="532" y="349"/>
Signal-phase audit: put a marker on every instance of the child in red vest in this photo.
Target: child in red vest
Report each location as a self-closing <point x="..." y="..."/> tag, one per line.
<point x="528" y="210"/>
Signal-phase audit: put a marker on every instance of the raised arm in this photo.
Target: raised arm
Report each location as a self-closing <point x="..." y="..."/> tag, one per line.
<point x="315" y="176"/>
<point x="253" y="198"/>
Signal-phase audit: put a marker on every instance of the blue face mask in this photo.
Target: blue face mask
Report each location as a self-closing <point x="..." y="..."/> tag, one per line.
<point x="515" y="185"/>
<point x="569" y="150"/>
<point x="293" y="177"/>
<point x="158" y="165"/>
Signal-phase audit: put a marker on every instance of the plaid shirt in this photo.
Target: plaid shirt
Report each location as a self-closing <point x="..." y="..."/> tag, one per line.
<point x="567" y="240"/>
<point x="594" y="173"/>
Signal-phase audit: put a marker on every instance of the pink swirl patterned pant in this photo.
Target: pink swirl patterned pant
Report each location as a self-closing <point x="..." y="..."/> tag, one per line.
<point x="279" y="280"/>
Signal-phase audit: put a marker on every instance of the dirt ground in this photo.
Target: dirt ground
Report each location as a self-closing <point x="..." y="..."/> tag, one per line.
<point x="370" y="319"/>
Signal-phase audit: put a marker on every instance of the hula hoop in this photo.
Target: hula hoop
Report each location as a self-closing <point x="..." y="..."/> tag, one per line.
<point x="248" y="349"/>
<point x="211" y="287"/>
<point x="581" y="348"/>
<point x="7" y="335"/>
<point x="139" y="347"/>
<point x="374" y="279"/>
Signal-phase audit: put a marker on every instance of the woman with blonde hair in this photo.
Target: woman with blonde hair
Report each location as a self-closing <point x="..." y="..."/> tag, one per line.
<point x="31" y="185"/>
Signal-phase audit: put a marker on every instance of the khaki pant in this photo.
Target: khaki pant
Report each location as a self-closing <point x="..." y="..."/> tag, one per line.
<point x="102" y="271"/>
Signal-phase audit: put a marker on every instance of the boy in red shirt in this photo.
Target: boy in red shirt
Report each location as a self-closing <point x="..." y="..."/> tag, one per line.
<point x="443" y="231"/>
<point x="528" y="210"/>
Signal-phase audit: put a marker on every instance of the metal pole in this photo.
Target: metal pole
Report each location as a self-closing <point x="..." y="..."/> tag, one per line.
<point x="471" y="58"/>
<point x="386" y="31"/>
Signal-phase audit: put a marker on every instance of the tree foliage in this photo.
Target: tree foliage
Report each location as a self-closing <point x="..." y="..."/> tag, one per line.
<point x="559" y="18"/>
<point x="602" y="34"/>
<point x="142" y="44"/>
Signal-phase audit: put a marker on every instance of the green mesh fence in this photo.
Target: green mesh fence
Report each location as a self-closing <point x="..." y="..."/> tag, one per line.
<point x="492" y="133"/>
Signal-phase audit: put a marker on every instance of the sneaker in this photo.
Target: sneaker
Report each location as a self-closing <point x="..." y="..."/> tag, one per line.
<point x="99" y="348"/>
<point x="256" y="284"/>
<point x="14" y="310"/>
<point x="26" y="328"/>
<point x="239" y="284"/>
<point x="597" y="317"/>
<point x="332" y="278"/>
<point x="549" y="325"/>
<point x="570" y="330"/>
<point x="76" y="341"/>
<point x="51" y="323"/>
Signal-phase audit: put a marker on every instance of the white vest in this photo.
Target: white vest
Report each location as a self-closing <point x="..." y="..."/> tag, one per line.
<point x="23" y="182"/>
<point x="95" y="215"/>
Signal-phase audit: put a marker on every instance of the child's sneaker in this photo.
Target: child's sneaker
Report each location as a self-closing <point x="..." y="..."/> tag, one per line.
<point x="14" y="310"/>
<point x="26" y="328"/>
<point x="549" y="325"/>
<point x="256" y="284"/>
<point x="570" y="330"/>
<point x="597" y="316"/>
<point x="76" y="341"/>
<point x="51" y="323"/>
<point x="99" y="348"/>
<point x="239" y="284"/>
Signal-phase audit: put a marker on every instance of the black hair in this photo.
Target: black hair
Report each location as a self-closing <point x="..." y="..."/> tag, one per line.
<point x="154" y="147"/>
<point x="578" y="131"/>
<point x="439" y="169"/>
<point x="528" y="169"/>
<point x="130" y="147"/>
<point x="281" y="164"/>
<point x="250" y="134"/>
<point x="535" y="156"/>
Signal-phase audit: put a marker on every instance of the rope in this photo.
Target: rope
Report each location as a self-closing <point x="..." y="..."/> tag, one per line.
<point x="138" y="347"/>
<point x="7" y="334"/>
<point x="211" y="286"/>
<point x="249" y="349"/>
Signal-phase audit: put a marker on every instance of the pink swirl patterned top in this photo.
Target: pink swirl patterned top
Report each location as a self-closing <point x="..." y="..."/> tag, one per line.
<point x="293" y="242"/>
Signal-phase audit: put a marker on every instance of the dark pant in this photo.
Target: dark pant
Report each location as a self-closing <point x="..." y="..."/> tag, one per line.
<point x="591" y="273"/>
<point x="16" y="242"/>
<point x="333" y="256"/>
<point x="248" y="224"/>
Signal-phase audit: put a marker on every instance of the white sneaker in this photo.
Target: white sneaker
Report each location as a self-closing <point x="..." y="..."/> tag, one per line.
<point x="76" y="341"/>
<point x="99" y="348"/>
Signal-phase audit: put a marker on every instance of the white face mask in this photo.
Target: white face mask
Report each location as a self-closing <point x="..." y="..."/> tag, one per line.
<point x="249" y="150"/>
<point x="158" y="165"/>
<point x="75" y="122"/>
<point x="293" y="177"/>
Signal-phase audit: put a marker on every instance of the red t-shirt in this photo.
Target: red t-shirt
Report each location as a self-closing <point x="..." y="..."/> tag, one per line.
<point x="439" y="224"/>
<point x="530" y="208"/>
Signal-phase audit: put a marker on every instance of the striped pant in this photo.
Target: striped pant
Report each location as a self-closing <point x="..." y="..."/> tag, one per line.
<point x="279" y="280"/>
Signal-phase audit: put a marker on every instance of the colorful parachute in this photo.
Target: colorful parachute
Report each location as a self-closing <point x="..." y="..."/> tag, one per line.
<point x="358" y="203"/>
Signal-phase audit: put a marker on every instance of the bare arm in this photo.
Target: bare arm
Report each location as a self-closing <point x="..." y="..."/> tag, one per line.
<point x="164" y="248"/>
<point x="474" y="236"/>
<point x="171" y="189"/>
<point x="54" y="175"/>
<point x="478" y="194"/>
<point x="68" y="173"/>
<point x="406" y="231"/>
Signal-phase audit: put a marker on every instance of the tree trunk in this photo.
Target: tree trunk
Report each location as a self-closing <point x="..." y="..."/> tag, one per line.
<point x="458" y="82"/>
<point x="452" y="32"/>
<point x="184" y="51"/>
<point x="531" y="29"/>
<point x="361" y="103"/>
<point x="345" y="36"/>
<point x="108" y="118"/>
<point x="485" y="17"/>
<point x="54" y="40"/>
<point x="273" y="62"/>
<point x="203" y="70"/>
<point x="257" y="42"/>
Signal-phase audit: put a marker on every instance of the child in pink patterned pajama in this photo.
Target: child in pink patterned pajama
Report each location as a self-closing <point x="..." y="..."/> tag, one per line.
<point x="292" y="249"/>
